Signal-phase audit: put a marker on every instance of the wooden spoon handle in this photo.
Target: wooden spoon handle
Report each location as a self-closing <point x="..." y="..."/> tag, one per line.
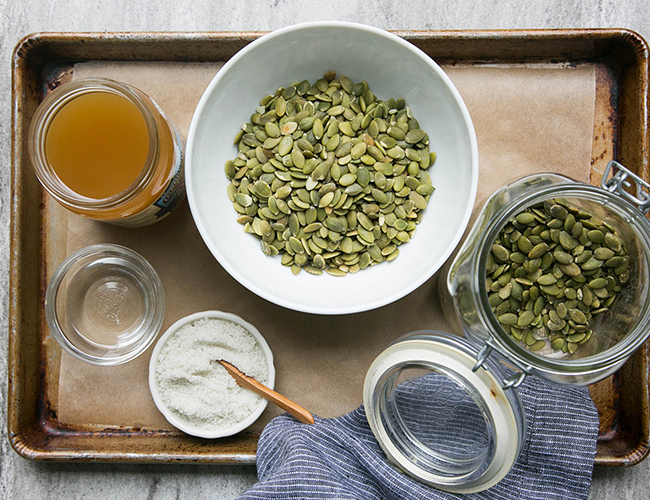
<point x="286" y="404"/>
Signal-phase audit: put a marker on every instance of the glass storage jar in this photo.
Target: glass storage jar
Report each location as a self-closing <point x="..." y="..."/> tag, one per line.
<point x="474" y="371"/>
<point x="105" y="150"/>
<point x="617" y="332"/>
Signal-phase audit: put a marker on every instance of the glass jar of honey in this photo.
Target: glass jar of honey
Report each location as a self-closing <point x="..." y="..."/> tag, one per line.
<point x="105" y="150"/>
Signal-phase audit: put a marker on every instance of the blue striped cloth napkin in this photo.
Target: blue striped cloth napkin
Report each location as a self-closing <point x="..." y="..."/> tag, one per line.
<point x="339" y="458"/>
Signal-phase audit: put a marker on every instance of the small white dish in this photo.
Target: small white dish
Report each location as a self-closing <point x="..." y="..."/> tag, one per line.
<point x="392" y="67"/>
<point x="183" y="424"/>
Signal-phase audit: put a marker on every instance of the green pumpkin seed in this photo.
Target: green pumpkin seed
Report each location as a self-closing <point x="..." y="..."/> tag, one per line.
<point x="425" y="189"/>
<point x="525" y="218"/>
<point x="517" y="257"/>
<point x="562" y="257"/>
<point x="379" y="196"/>
<point x="554" y="317"/>
<point x="524" y="245"/>
<point x="414" y="136"/>
<point x="559" y="212"/>
<point x="576" y="337"/>
<point x="570" y="269"/>
<point x="505" y="292"/>
<point x="537" y="345"/>
<point x="547" y="279"/>
<point x="596" y="236"/>
<point x="578" y="316"/>
<point x="396" y="133"/>
<point x="603" y="253"/>
<point x="615" y="261"/>
<point x="558" y="344"/>
<point x="285" y="145"/>
<point x="553" y="290"/>
<point x="500" y="253"/>
<point x="334" y="224"/>
<point x="567" y="241"/>
<point x="508" y="319"/>
<point x="613" y="242"/>
<point x="525" y="318"/>
<point x="592" y="264"/>
<point x="537" y="251"/>
<point x="597" y="283"/>
<point x="375" y="253"/>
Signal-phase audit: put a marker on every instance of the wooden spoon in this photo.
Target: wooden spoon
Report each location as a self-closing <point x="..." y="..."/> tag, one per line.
<point x="286" y="404"/>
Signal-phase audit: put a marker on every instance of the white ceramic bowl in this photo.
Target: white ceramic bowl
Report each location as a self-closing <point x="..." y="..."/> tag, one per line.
<point x="392" y="67"/>
<point x="183" y="424"/>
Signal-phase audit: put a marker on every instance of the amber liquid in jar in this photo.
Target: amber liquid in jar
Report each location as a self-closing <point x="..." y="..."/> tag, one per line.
<point x="105" y="150"/>
<point x="98" y="144"/>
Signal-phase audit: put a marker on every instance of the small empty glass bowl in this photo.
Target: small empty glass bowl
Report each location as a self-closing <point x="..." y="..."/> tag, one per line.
<point x="105" y="304"/>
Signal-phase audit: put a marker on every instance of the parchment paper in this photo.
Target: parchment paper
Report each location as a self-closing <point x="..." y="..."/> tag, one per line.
<point x="527" y="120"/>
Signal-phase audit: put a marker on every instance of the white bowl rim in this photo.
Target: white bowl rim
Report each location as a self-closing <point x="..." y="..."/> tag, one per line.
<point x="184" y="425"/>
<point x="311" y="308"/>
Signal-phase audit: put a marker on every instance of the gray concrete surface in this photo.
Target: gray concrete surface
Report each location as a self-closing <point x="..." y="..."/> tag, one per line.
<point x="21" y="479"/>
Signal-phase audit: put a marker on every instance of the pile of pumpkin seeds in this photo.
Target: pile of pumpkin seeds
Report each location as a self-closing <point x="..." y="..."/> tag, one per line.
<point x="553" y="268"/>
<point x="330" y="177"/>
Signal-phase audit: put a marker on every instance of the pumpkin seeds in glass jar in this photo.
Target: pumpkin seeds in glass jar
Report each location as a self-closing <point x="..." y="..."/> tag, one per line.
<point x="567" y="266"/>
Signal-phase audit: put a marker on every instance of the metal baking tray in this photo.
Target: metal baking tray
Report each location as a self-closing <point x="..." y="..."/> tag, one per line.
<point x="44" y="60"/>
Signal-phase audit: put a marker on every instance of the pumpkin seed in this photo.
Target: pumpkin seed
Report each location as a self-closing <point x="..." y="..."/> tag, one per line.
<point x="592" y="264"/>
<point x="557" y="344"/>
<point x="615" y="261"/>
<point x="524" y="245"/>
<point x="508" y="319"/>
<point x="538" y="250"/>
<point x="578" y="316"/>
<point x="562" y="257"/>
<point x="547" y="279"/>
<point x="559" y="212"/>
<point x="613" y="242"/>
<point x="539" y="344"/>
<point x="597" y="283"/>
<point x="500" y="253"/>
<point x="505" y="292"/>
<point x="603" y="253"/>
<point x="596" y="236"/>
<point x="525" y="218"/>
<point x="525" y="318"/>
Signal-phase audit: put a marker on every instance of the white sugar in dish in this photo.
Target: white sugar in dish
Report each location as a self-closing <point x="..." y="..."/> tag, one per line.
<point x="198" y="389"/>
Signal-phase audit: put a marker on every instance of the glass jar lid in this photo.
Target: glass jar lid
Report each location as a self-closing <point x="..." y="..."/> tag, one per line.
<point x="441" y="418"/>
